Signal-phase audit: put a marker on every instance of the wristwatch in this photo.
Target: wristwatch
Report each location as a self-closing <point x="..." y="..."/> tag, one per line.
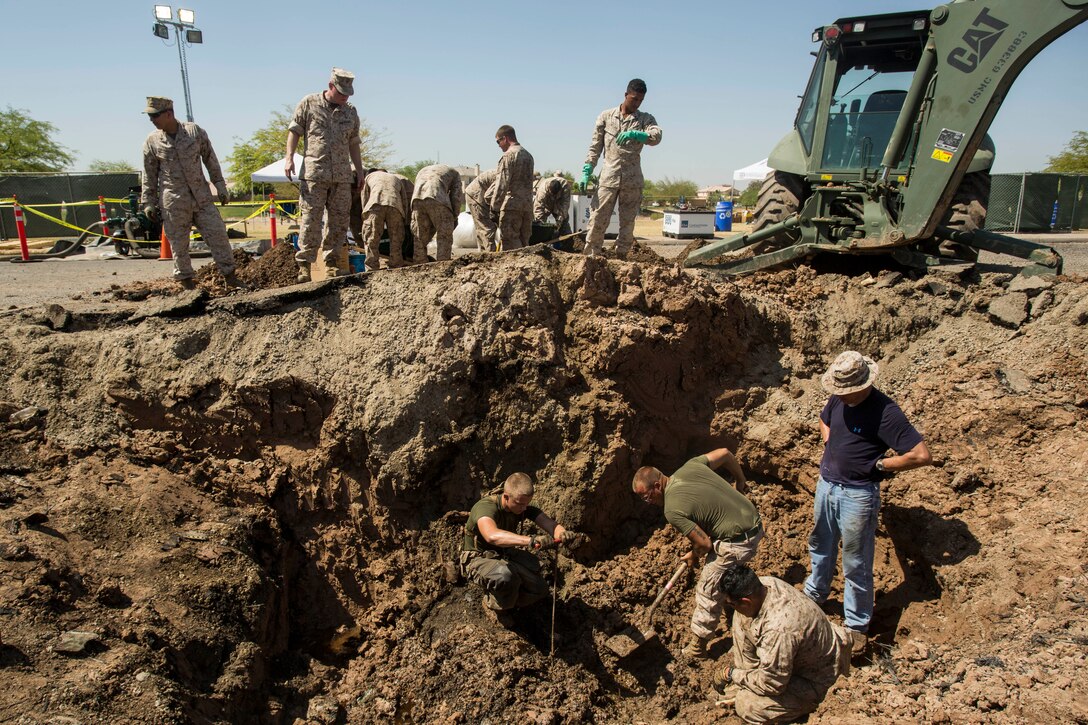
<point x="880" y="466"/>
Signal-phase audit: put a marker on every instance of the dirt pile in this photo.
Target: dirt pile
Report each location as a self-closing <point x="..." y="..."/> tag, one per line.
<point x="246" y="509"/>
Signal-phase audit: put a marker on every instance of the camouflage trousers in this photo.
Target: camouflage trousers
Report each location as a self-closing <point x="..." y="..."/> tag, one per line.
<point x="629" y="200"/>
<point x="432" y="218"/>
<point x="515" y="228"/>
<point x="178" y="219"/>
<point x="508" y="583"/>
<point x="709" y="600"/>
<point x="377" y="219"/>
<point x="485" y="226"/>
<point x="314" y="200"/>
<point x="801" y="695"/>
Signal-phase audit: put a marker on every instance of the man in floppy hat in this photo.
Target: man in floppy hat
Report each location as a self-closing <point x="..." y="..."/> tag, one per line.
<point x="330" y="126"/>
<point x="175" y="183"/>
<point x="859" y="424"/>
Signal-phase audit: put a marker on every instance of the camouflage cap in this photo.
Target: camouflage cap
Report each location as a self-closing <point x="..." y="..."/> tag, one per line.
<point x="851" y="372"/>
<point x="342" y="81"/>
<point x="158" y="104"/>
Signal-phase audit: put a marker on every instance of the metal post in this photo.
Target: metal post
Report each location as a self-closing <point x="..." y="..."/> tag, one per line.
<point x="184" y="74"/>
<point x="1020" y="204"/>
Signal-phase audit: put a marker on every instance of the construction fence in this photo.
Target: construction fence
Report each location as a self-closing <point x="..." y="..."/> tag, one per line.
<point x="1037" y="202"/>
<point x="75" y="196"/>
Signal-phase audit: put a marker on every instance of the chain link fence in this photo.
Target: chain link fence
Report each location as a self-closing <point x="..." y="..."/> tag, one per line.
<point x="64" y="188"/>
<point x="1037" y="202"/>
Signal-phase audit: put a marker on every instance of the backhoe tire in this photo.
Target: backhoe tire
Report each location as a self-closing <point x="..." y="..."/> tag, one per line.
<point x="780" y="197"/>
<point x="967" y="214"/>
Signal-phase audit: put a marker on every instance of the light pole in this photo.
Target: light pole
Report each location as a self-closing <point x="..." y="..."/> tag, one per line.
<point x="164" y="15"/>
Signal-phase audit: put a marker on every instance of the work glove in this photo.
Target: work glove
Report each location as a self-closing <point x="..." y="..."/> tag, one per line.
<point x="587" y="172"/>
<point x="151" y="212"/>
<point x="625" y="136"/>
<point x="571" y="539"/>
<point x="221" y="192"/>
<point x="543" y="541"/>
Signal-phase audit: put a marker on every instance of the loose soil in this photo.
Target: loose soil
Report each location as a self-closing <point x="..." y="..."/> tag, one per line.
<point x="247" y="502"/>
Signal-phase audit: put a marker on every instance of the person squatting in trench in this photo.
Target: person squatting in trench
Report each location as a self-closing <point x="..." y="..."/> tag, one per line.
<point x="493" y="556"/>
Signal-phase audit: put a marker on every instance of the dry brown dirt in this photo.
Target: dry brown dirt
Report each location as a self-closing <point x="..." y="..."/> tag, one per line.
<point x="244" y="501"/>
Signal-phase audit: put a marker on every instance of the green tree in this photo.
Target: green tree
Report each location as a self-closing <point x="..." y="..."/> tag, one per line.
<point x="28" y="145"/>
<point x="750" y="195"/>
<point x="1074" y="158"/>
<point x="410" y="170"/>
<point x="267" y="144"/>
<point x="670" y="190"/>
<point x="111" y="167"/>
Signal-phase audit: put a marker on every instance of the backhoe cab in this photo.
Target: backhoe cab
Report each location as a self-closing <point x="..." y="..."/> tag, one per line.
<point x="889" y="152"/>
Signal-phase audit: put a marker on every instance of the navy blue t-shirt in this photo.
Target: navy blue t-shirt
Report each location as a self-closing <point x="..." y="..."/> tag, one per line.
<point x="860" y="436"/>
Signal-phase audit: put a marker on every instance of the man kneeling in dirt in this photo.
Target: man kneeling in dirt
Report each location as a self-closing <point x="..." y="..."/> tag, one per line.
<point x="718" y="520"/>
<point x="491" y="555"/>
<point x="786" y="653"/>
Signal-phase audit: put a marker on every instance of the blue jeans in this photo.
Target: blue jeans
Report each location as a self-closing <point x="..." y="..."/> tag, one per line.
<point x="848" y="513"/>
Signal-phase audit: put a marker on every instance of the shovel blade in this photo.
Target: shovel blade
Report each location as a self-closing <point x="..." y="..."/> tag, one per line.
<point x="629" y="640"/>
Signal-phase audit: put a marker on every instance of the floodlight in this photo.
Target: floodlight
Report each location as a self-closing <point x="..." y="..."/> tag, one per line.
<point x="186" y="16"/>
<point x="194" y="36"/>
<point x="161" y="31"/>
<point x="163" y="12"/>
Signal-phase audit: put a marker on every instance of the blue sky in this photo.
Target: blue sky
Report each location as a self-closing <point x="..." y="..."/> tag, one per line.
<point x="439" y="78"/>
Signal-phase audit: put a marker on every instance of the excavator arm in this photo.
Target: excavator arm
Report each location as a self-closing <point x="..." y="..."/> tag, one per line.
<point x="976" y="51"/>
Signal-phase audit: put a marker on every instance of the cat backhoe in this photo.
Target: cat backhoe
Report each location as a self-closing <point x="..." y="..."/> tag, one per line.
<point x="889" y="153"/>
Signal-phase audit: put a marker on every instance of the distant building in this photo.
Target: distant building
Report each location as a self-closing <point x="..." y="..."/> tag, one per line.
<point x="723" y="189"/>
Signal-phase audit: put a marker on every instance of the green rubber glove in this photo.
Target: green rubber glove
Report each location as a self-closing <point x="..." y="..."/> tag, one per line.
<point x="625" y="136"/>
<point x="587" y="172"/>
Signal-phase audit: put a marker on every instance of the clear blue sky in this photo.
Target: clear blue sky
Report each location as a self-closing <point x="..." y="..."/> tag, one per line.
<point x="440" y="77"/>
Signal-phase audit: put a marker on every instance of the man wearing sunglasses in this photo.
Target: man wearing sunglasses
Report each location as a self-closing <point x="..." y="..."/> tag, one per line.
<point x="175" y="188"/>
<point x="512" y="197"/>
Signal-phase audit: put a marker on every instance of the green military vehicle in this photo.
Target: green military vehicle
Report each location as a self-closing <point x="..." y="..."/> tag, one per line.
<point x="889" y="152"/>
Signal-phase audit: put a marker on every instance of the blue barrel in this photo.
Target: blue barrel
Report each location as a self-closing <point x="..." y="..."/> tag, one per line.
<point x="723" y="216"/>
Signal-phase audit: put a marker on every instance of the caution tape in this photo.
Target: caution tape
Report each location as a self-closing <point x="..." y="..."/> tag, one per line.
<point x="61" y="222"/>
<point x="264" y="206"/>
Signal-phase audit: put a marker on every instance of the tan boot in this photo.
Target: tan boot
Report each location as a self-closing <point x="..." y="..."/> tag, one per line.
<point x="858" y="642"/>
<point x="234" y="282"/>
<point x="303" y="272"/>
<point x="331" y="270"/>
<point x="695" y="648"/>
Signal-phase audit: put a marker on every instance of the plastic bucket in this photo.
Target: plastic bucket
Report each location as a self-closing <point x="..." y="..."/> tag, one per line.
<point x="357" y="261"/>
<point x="723" y="216"/>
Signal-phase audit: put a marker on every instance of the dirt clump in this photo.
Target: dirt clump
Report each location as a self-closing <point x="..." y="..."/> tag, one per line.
<point x="247" y="510"/>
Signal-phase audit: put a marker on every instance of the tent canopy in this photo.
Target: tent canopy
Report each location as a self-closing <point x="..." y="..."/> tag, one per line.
<point x="273" y="173"/>
<point x="756" y="172"/>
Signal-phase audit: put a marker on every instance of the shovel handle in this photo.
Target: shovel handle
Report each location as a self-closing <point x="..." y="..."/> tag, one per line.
<point x="672" y="582"/>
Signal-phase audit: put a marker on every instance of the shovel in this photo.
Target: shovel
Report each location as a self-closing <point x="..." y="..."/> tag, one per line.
<point x="631" y="639"/>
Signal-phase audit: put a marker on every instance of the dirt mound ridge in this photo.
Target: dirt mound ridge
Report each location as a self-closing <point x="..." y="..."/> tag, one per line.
<point x="249" y="508"/>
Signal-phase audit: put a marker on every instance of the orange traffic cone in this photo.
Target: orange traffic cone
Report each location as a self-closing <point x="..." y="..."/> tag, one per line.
<point x="164" y="247"/>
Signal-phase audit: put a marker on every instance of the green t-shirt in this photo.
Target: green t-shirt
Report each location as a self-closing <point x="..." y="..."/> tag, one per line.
<point x="698" y="496"/>
<point x="489" y="506"/>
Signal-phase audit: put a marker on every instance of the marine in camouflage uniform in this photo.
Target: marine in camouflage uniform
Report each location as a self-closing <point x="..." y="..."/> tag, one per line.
<point x="386" y="199"/>
<point x="553" y="198"/>
<point x="330" y="127"/>
<point x="478" y="199"/>
<point x="175" y="183"/>
<point x="512" y="195"/>
<point x="718" y="520"/>
<point x="621" y="176"/>
<point x="436" y="201"/>
<point x="786" y="653"/>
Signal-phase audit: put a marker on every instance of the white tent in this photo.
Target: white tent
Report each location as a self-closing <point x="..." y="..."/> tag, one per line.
<point x="756" y="172"/>
<point x="273" y="173"/>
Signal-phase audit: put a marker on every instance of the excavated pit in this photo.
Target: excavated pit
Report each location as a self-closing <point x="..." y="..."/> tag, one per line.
<point x="250" y="501"/>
